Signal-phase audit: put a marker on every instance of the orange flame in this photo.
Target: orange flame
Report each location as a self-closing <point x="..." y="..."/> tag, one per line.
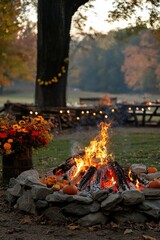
<point x="96" y="154"/>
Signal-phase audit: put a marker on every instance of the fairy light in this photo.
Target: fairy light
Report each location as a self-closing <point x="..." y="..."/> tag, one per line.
<point x="100" y="112"/>
<point x="68" y="111"/>
<point x="129" y="109"/>
<point x="55" y="79"/>
<point x="78" y="118"/>
<point x="137" y="108"/>
<point x="94" y="114"/>
<point x="61" y="111"/>
<point x="31" y="112"/>
<point x="106" y="116"/>
<point x="87" y="112"/>
<point x="82" y="112"/>
<point x="113" y="110"/>
<point x="36" y="113"/>
<point x="149" y="108"/>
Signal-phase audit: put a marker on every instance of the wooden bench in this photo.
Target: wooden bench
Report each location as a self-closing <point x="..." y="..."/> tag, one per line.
<point x="143" y="114"/>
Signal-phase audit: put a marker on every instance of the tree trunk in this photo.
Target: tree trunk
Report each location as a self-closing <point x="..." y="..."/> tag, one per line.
<point x="54" y="21"/>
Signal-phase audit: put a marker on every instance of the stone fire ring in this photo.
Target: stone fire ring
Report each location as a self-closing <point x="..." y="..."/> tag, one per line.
<point x="26" y="193"/>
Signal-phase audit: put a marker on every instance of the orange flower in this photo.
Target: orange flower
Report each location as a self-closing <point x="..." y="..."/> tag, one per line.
<point x="7" y="146"/>
<point x="15" y="136"/>
<point x="10" y="140"/>
<point x="22" y="122"/>
<point x="16" y="127"/>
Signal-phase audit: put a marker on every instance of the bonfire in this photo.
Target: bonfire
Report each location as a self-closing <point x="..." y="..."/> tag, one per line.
<point x="94" y="168"/>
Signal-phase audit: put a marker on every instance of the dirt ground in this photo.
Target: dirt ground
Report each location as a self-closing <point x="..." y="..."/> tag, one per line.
<point x="16" y="225"/>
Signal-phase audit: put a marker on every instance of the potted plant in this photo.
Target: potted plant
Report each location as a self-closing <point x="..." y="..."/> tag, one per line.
<point x="17" y="138"/>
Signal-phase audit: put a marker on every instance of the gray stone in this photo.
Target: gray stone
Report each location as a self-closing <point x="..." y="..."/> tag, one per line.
<point x="132" y="197"/>
<point x="152" y="176"/>
<point x="100" y="195"/>
<point x="16" y="190"/>
<point x="59" y="197"/>
<point x="138" y="168"/>
<point x="135" y="217"/>
<point x="31" y="180"/>
<point x="110" y="202"/>
<point x="55" y="215"/>
<point x="151" y="208"/>
<point x="152" y="193"/>
<point x="85" y="193"/>
<point x="26" y="203"/>
<point x="12" y="182"/>
<point x="40" y="192"/>
<point x="25" y="174"/>
<point x="41" y="204"/>
<point x="82" y="199"/>
<point x="92" y="219"/>
<point x="81" y="209"/>
<point x="10" y="198"/>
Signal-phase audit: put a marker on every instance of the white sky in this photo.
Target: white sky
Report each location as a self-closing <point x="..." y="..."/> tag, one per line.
<point x="96" y="20"/>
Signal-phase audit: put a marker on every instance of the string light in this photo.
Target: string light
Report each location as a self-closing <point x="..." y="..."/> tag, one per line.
<point x="55" y="79"/>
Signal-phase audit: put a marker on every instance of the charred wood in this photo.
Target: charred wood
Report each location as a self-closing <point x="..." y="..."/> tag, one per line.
<point x="119" y="176"/>
<point x="65" y="166"/>
<point x="135" y="177"/>
<point x="87" y="177"/>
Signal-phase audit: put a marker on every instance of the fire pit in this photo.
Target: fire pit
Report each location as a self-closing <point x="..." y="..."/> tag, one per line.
<point x="89" y="188"/>
<point x="94" y="169"/>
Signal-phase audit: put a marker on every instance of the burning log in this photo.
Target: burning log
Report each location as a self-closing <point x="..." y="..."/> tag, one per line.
<point x="133" y="177"/>
<point x="96" y="184"/>
<point x="65" y="166"/>
<point x="119" y="176"/>
<point x="78" y="177"/>
<point x="87" y="177"/>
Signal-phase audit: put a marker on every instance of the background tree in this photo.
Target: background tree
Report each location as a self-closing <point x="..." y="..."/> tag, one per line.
<point x="141" y="64"/>
<point x="9" y="11"/>
<point x="17" y="55"/>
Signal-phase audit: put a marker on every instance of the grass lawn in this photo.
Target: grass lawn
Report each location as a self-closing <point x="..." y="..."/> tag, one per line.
<point x="128" y="145"/>
<point x="27" y="96"/>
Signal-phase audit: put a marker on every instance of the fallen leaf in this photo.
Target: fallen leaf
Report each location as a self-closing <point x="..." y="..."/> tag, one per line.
<point x="127" y="231"/>
<point x="146" y="237"/>
<point x="114" y="225"/>
<point x="94" y="228"/>
<point x="73" y="227"/>
<point x="26" y="220"/>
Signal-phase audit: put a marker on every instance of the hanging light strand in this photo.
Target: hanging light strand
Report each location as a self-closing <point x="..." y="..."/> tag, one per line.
<point x="55" y="79"/>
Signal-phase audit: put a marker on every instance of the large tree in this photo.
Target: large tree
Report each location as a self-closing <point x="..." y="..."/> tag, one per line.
<point x="54" y="22"/>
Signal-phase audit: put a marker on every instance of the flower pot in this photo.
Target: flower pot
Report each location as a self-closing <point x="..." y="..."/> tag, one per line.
<point x="14" y="164"/>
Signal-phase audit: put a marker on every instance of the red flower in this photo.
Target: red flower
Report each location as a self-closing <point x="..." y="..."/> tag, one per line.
<point x="35" y="133"/>
<point x="3" y="135"/>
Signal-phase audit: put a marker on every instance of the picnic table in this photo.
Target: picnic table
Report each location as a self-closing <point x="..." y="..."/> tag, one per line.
<point x="143" y="114"/>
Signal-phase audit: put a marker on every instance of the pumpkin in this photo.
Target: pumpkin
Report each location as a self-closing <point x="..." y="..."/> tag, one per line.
<point x="152" y="170"/>
<point x="70" y="189"/>
<point x="56" y="187"/>
<point x="154" y="184"/>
